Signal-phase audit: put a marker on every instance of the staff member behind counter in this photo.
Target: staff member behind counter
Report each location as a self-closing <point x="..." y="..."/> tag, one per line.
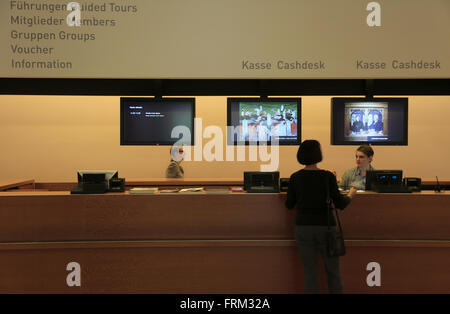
<point x="174" y="170"/>
<point x="356" y="177"/>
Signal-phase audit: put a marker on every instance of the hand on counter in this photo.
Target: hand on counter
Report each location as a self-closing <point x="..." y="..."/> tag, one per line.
<point x="352" y="192"/>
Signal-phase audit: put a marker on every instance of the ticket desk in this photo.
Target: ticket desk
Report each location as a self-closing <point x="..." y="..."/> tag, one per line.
<point x="211" y="243"/>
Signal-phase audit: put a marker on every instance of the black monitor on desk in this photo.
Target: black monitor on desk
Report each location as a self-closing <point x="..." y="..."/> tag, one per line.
<point x="96" y="175"/>
<point x="262" y="182"/>
<point x="94" y="181"/>
<point x="376" y="179"/>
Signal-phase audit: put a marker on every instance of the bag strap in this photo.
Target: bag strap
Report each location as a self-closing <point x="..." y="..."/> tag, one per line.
<point x="331" y="206"/>
<point x="339" y="221"/>
<point x="329" y="203"/>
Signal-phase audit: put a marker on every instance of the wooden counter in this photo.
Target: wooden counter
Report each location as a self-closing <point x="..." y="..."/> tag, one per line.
<point x="16" y="183"/>
<point x="187" y="182"/>
<point x="233" y="243"/>
<point x="184" y="182"/>
<point x="152" y="182"/>
<point x="59" y="216"/>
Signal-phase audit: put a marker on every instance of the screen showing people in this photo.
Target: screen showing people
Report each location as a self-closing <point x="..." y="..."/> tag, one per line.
<point x="376" y="121"/>
<point x="147" y="121"/>
<point x="366" y="121"/>
<point x="257" y="121"/>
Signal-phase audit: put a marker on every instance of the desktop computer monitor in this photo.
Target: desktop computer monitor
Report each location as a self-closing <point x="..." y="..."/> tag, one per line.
<point x="383" y="178"/>
<point x="96" y="175"/>
<point x="262" y="182"/>
<point x="94" y="181"/>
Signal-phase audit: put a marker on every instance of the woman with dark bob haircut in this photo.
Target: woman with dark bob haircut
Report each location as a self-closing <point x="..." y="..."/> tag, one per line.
<point x="308" y="193"/>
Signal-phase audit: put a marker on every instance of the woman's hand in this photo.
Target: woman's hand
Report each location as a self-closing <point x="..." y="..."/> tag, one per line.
<point x="352" y="192"/>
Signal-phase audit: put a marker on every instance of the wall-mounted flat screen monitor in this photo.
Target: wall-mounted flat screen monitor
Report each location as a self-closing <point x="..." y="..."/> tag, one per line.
<point x="376" y="121"/>
<point x="152" y="121"/>
<point x="264" y="120"/>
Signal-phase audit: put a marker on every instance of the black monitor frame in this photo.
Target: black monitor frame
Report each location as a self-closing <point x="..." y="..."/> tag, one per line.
<point x="337" y="101"/>
<point x="123" y="101"/>
<point x="383" y="178"/>
<point x="251" y="177"/>
<point x="108" y="174"/>
<point x="298" y="101"/>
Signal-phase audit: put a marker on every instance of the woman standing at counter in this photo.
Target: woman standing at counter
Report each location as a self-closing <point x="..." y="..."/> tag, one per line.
<point x="356" y="177"/>
<point x="308" y="193"/>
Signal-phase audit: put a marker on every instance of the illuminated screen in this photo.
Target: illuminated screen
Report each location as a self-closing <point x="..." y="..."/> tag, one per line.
<point x="256" y="120"/>
<point x="149" y="121"/>
<point x="378" y="121"/>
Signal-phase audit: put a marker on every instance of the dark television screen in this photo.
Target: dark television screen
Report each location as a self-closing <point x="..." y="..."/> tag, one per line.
<point x="150" y="121"/>
<point x="264" y="120"/>
<point x="376" y="121"/>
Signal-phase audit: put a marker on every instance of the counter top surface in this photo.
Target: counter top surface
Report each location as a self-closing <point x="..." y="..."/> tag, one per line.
<point x="13" y="183"/>
<point x="127" y="193"/>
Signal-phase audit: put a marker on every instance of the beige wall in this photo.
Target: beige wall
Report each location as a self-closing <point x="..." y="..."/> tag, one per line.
<point x="49" y="137"/>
